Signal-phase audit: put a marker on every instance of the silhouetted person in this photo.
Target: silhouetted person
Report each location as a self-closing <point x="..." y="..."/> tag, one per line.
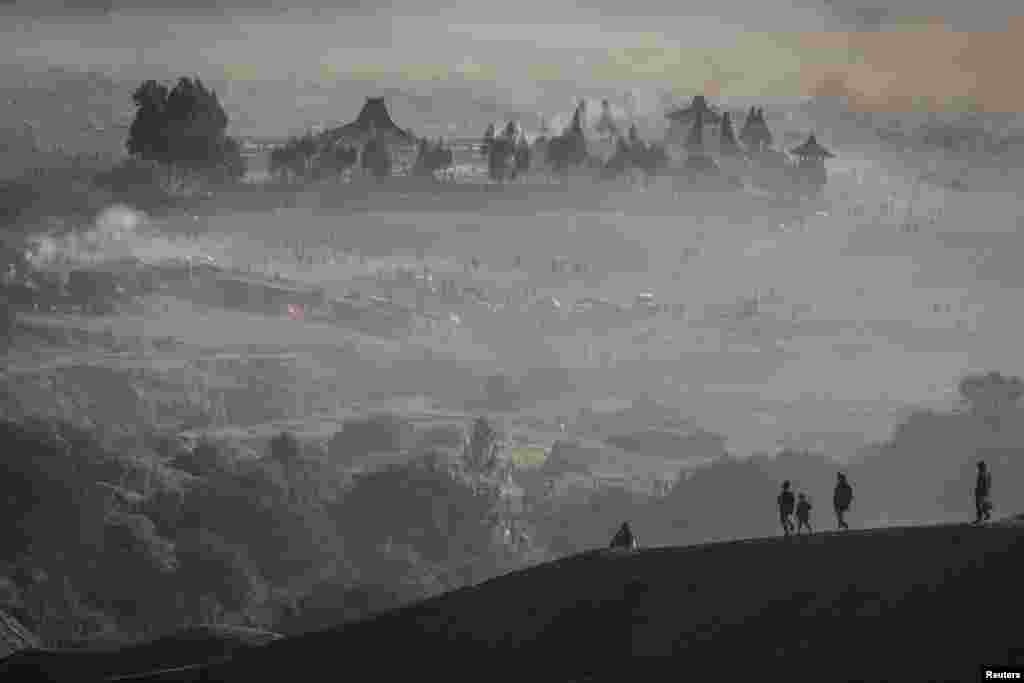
<point x="982" y="494"/>
<point x="803" y="514"/>
<point x="786" y="503"/>
<point x="624" y="538"/>
<point x="841" y="499"/>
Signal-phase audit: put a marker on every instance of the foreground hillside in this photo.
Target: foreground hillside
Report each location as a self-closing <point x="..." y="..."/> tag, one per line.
<point x="903" y="604"/>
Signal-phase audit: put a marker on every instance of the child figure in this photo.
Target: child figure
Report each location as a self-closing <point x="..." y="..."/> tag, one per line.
<point x="803" y="514"/>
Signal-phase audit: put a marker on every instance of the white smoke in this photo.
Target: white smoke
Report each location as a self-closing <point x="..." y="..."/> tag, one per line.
<point x="118" y="233"/>
<point x="108" y="239"/>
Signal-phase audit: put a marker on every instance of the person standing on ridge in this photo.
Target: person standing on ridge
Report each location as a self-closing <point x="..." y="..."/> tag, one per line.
<point x="786" y="503"/>
<point x="803" y="514"/>
<point x="983" y="494"/>
<point x="841" y="499"/>
<point x="624" y="538"/>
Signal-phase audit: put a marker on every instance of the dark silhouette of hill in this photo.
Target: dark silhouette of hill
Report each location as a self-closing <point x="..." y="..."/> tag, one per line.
<point x="181" y="648"/>
<point x="907" y="603"/>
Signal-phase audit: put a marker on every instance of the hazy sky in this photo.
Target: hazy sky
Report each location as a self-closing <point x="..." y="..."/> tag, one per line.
<point x="727" y="47"/>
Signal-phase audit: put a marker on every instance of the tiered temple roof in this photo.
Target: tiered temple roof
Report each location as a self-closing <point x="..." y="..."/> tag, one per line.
<point x="374" y="119"/>
<point x="699" y="106"/>
<point x="755" y="133"/>
<point x="811" y="149"/>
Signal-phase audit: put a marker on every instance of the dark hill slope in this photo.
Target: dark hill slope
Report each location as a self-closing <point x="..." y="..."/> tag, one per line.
<point x="897" y="604"/>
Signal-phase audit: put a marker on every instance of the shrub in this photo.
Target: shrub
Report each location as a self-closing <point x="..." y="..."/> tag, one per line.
<point x="211" y="565"/>
<point x="205" y="459"/>
<point x="377" y="433"/>
<point x="166" y="509"/>
<point x="438" y="515"/>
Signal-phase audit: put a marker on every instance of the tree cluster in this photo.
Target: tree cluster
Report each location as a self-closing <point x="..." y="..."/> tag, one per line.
<point x="309" y="158"/>
<point x="431" y="157"/>
<point x="184" y="130"/>
<point x="436" y="513"/>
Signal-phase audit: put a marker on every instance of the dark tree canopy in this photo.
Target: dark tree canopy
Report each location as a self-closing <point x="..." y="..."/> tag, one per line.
<point x="146" y="137"/>
<point x="375" y="433"/>
<point x="184" y="127"/>
<point x="436" y="513"/>
<point x="285" y="448"/>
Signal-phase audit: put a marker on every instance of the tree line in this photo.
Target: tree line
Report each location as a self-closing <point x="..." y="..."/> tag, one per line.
<point x="310" y="157"/>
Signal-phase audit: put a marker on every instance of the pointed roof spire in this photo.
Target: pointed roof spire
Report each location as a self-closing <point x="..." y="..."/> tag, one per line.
<point x="511" y="128"/>
<point x="755" y="132"/>
<point x="607" y="123"/>
<point x="747" y="134"/>
<point x="373" y="119"/>
<point x="727" y="137"/>
<point x="811" y="149"/>
<point x="764" y="133"/>
<point x="699" y="104"/>
<point x="577" y="118"/>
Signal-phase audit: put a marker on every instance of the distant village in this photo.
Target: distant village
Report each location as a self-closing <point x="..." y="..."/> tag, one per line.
<point x="700" y="147"/>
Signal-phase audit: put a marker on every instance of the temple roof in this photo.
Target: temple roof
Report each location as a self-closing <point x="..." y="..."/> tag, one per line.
<point x="606" y="124"/>
<point x="811" y="149"/>
<point x="699" y="104"/>
<point x="634" y="134"/>
<point x="755" y="129"/>
<point x="374" y="116"/>
<point x="576" y="125"/>
<point x="727" y="137"/>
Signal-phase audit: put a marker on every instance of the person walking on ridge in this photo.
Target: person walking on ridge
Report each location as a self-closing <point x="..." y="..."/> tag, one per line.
<point x="803" y="514"/>
<point x="983" y="494"/>
<point x="841" y="499"/>
<point x="786" y="503"/>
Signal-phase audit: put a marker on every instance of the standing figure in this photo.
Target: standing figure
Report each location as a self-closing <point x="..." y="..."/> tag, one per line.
<point x="803" y="514"/>
<point x="983" y="494"/>
<point x="786" y="503"/>
<point x="841" y="499"/>
<point x="624" y="538"/>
